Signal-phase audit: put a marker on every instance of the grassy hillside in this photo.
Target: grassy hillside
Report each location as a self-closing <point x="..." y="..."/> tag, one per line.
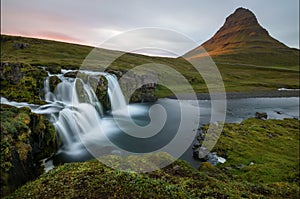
<point x="237" y="77"/>
<point x="242" y="40"/>
<point x="262" y="162"/>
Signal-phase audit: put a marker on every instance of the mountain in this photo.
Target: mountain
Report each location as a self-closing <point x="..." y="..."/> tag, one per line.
<point x="243" y="40"/>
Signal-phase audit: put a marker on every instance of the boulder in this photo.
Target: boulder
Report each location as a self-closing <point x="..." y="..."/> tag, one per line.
<point x="20" y="45"/>
<point x="11" y="72"/>
<point x="21" y="82"/>
<point x="261" y="115"/>
<point x="53" y="82"/>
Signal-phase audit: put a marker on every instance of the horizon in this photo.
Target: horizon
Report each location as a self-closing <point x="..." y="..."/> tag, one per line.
<point x="56" y="21"/>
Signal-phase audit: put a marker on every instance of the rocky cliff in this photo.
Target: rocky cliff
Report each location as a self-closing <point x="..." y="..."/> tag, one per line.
<point x="26" y="139"/>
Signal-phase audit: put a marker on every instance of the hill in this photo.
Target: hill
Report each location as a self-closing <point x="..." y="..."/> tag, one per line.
<point x="248" y="58"/>
<point x="268" y="170"/>
<point x="243" y="40"/>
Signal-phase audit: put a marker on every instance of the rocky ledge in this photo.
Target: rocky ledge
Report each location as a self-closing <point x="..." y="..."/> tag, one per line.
<point x="26" y="139"/>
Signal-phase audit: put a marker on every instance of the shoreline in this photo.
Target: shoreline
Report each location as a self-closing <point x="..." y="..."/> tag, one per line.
<point x="241" y="95"/>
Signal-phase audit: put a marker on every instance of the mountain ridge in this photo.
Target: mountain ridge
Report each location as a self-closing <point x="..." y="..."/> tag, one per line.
<point x="242" y="39"/>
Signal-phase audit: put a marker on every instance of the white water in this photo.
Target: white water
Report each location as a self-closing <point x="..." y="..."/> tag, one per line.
<point x="75" y="110"/>
<point x="116" y="96"/>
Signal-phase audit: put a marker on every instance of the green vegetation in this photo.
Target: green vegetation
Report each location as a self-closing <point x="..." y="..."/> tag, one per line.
<point x="21" y="82"/>
<point x="268" y="149"/>
<point x="26" y="138"/>
<point x="242" y="40"/>
<point x="272" y="145"/>
<point x="237" y="77"/>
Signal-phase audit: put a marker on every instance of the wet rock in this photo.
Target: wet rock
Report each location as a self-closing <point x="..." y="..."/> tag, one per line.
<point x="54" y="69"/>
<point x="71" y="74"/>
<point x="261" y="115"/>
<point x="212" y="158"/>
<point x="201" y="154"/>
<point x="26" y="138"/>
<point x="53" y="82"/>
<point x="195" y="146"/>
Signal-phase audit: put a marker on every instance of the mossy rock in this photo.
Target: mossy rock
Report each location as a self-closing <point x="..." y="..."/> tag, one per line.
<point x="54" y="69"/>
<point x="53" y="82"/>
<point x="26" y="138"/>
<point x="21" y="82"/>
<point x="260" y="150"/>
<point x="93" y="179"/>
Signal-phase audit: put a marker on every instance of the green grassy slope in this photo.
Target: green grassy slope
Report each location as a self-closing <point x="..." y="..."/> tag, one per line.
<point x="236" y="77"/>
<point x="272" y="146"/>
<point x="242" y="40"/>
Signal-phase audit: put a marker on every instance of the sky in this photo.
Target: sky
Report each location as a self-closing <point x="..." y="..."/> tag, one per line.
<point x="92" y="22"/>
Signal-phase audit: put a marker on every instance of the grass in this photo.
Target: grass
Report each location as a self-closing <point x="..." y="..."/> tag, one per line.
<point x="237" y="77"/>
<point x="272" y="146"/>
<point x="274" y="174"/>
<point x="26" y="138"/>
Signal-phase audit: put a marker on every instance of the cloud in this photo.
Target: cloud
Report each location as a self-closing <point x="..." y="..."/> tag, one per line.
<point x="95" y="21"/>
<point x="59" y="37"/>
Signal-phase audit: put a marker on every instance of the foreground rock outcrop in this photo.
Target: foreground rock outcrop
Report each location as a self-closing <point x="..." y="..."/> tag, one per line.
<point x="21" y="82"/>
<point x="26" y="139"/>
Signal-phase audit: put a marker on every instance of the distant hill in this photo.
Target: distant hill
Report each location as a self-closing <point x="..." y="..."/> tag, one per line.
<point x="248" y="58"/>
<point x="243" y="40"/>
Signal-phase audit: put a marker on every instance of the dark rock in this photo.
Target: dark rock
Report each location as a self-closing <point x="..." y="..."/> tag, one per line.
<point x="261" y="115"/>
<point x="72" y="74"/>
<point x="240" y="166"/>
<point x="197" y="145"/>
<point x="21" y="82"/>
<point x="53" y="82"/>
<point x="11" y="72"/>
<point x="26" y="139"/>
<point x="212" y="158"/>
<point x="20" y="45"/>
<point x="54" y="69"/>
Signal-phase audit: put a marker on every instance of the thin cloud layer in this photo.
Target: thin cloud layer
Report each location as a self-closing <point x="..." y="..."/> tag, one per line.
<point x="92" y="22"/>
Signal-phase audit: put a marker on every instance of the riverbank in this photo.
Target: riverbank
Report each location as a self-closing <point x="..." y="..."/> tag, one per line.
<point x="261" y="162"/>
<point x="240" y="95"/>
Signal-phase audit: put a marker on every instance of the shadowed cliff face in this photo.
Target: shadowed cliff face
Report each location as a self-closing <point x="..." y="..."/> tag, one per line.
<point x="243" y="40"/>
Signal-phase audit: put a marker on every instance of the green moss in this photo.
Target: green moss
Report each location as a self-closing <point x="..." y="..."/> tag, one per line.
<point x="53" y="82"/>
<point x="21" y="133"/>
<point x="21" y="82"/>
<point x="269" y="150"/>
<point x="179" y="180"/>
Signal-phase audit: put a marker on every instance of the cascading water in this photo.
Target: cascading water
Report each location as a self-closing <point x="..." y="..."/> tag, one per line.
<point x="116" y="96"/>
<point x="81" y="112"/>
<point x="76" y="112"/>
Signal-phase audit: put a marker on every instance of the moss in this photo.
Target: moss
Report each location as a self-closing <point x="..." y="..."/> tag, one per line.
<point x="21" y="82"/>
<point x="282" y="73"/>
<point x="92" y="179"/>
<point x="268" y="149"/>
<point x="53" y="82"/>
<point x="26" y="138"/>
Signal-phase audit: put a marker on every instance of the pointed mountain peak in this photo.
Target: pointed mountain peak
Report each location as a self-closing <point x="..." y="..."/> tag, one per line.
<point x="241" y="16"/>
<point x="242" y="39"/>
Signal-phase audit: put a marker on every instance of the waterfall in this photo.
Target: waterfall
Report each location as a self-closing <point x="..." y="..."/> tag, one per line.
<point x="75" y="110"/>
<point x="116" y="96"/>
